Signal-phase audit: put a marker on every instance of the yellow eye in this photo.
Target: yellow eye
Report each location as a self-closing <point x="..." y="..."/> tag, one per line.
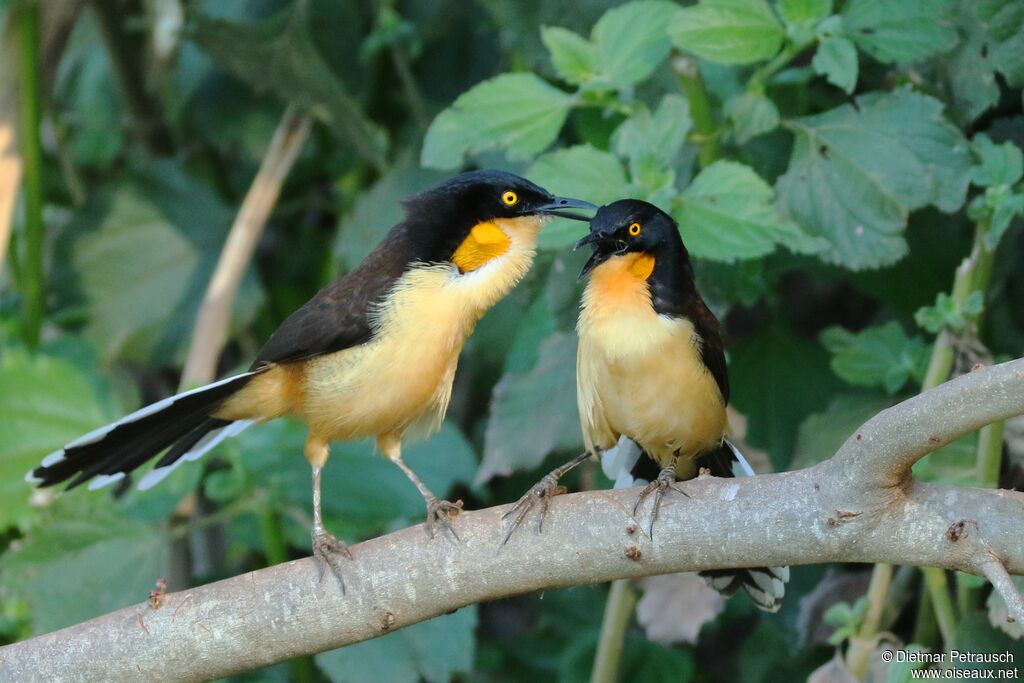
<point x="510" y="198"/>
<point x="634" y="229"/>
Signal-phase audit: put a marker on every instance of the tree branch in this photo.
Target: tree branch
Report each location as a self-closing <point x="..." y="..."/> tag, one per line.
<point x="837" y="511"/>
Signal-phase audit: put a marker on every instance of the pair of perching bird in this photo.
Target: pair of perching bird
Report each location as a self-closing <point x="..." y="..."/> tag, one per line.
<point x="374" y="354"/>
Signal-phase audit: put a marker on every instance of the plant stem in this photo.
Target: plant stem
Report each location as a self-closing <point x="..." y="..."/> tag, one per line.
<point x="945" y="615"/>
<point x="863" y="644"/>
<point x="990" y="452"/>
<point x="692" y="85"/>
<point x="31" y="272"/>
<point x="618" y="612"/>
<point x="925" y="628"/>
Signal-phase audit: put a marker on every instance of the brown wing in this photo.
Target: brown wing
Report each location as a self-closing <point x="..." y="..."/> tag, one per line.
<point x="338" y="316"/>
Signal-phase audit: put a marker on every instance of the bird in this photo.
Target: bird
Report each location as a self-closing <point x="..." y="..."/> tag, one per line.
<point x="372" y="354"/>
<point x="651" y="376"/>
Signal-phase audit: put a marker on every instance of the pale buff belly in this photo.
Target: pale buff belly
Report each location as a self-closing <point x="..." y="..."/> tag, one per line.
<point x="643" y="377"/>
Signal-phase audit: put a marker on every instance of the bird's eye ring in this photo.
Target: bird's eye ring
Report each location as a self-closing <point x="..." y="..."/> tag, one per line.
<point x="509" y="198"/>
<point x="634" y="229"/>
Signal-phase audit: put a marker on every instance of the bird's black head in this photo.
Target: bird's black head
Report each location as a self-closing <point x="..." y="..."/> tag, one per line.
<point x="440" y="218"/>
<point x="630" y="225"/>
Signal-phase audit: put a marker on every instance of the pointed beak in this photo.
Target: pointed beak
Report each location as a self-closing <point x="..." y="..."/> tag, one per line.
<point x="558" y="206"/>
<point x="605" y="246"/>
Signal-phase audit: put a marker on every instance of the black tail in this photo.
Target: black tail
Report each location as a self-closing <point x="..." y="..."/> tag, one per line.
<point x="766" y="586"/>
<point x="181" y="423"/>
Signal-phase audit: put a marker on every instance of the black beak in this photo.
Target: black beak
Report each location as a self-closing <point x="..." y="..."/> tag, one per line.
<point x="558" y="205"/>
<point x="604" y="248"/>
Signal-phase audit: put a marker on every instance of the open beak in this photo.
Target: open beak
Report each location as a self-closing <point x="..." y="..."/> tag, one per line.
<point x="604" y="248"/>
<point x="558" y="207"/>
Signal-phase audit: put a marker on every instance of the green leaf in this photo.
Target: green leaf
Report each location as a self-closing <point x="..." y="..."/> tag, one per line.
<point x="882" y="355"/>
<point x="953" y="464"/>
<point x="804" y="13"/>
<point x="728" y="213"/>
<point x="582" y="172"/>
<point x="752" y="114"/>
<point x="821" y="434"/>
<point x="728" y="31"/>
<point x="778" y="378"/>
<point x="1006" y="210"/>
<point x="972" y="80"/>
<point x="518" y="437"/>
<point x="45" y="402"/>
<point x="998" y="164"/>
<point x="836" y="60"/>
<point x="280" y="54"/>
<point x="518" y="113"/>
<point x="574" y="57"/>
<point x="945" y="314"/>
<point x="268" y="457"/>
<point x="893" y="153"/>
<point x="900" y="31"/>
<point x="143" y="252"/>
<point x="434" y="651"/>
<point x="376" y="211"/>
<point x="87" y="561"/>
<point x="631" y="41"/>
<point x="652" y="142"/>
<point x="976" y="636"/>
<point x="1004" y="24"/>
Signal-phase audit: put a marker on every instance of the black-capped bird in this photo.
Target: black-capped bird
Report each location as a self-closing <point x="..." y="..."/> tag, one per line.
<point x="373" y="354"/>
<point x="650" y="367"/>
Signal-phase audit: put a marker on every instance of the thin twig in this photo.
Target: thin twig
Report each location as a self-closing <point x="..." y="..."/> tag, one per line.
<point x="995" y="571"/>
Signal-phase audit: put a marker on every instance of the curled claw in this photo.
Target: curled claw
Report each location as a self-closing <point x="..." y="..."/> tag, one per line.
<point x="326" y="549"/>
<point x="440" y="513"/>
<point x="666" y="480"/>
<point x="543" y="491"/>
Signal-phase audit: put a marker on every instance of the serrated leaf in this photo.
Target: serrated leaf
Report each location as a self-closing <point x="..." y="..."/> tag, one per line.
<point x="1006" y="210"/>
<point x="435" y="651"/>
<point x="836" y="60"/>
<point x="518" y="113"/>
<point x="728" y="213"/>
<point x="882" y="355"/>
<point x="518" y="437"/>
<point x="972" y="79"/>
<point x="945" y="314"/>
<point x="856" y="173"/>
<point x="279" y="54"/>
<point x="804" y="13"/>
<point x="581" y="171"/>
<point x="143" y="251"/>
<point x="573" y="56"/>
<point x="45" y="402"/>
<point x="998" y="164"/>
<point x="631" y="41"/>
<point x="752" y="114"/>
<point x="728" y="31"/>
<point x="652" y="142"/>
<point x="1004" y="26"/>
<point x="900" y="31"/>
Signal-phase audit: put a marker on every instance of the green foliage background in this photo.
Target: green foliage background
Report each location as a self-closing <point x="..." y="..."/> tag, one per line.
<point x="830" y="164"/>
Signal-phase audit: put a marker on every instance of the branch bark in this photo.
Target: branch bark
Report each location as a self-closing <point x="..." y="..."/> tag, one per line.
<point x="841" y="510"/>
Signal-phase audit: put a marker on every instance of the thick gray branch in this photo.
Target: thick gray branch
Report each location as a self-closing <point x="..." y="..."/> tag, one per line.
<point x="833" y="512"/>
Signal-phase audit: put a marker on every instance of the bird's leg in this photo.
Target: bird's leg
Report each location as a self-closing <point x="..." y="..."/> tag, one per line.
<point x="325" y="546"/>
<point x="439" y="512"/>
<point x="543" y="491"/>
<point x="666" y="480"/>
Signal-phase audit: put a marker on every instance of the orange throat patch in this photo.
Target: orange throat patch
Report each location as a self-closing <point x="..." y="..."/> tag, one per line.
<point x="622" y="276"/>
<point x="485" y="242"/>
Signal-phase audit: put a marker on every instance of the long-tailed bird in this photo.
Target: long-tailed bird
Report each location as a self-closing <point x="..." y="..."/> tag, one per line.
<point x="373" y="354"/>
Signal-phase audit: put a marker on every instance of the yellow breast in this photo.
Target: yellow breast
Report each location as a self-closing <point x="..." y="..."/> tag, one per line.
<point x="640" y="373"/>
